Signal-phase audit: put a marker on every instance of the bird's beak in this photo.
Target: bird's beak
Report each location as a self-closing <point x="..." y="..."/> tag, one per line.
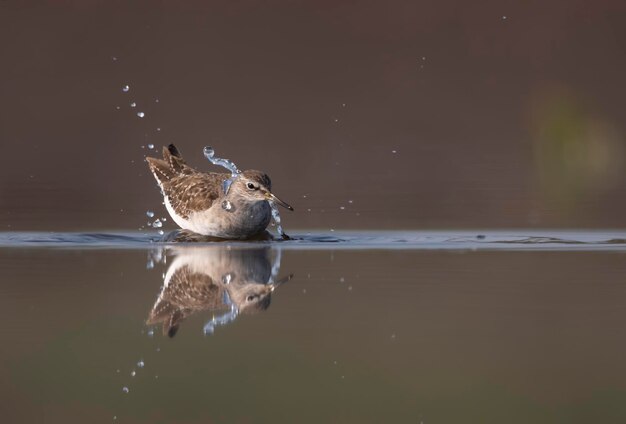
<point x="272" y="198"/>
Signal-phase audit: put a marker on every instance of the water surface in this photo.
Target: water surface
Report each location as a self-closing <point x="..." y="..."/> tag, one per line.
<point x="346" y="327"/>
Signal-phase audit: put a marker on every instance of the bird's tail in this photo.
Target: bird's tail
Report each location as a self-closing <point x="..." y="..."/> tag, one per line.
<point x="172" y="164"/>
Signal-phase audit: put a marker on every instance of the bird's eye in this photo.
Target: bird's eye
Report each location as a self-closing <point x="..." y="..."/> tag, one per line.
<point x="251" y="298"/>
<point x="251" y="186"/>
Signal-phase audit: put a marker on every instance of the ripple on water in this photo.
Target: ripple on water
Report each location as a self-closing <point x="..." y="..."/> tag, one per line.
<point x="411" y="240"/>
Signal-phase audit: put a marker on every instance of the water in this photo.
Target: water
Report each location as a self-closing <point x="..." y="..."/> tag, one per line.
<point x="209" y="153"/>
<point x="276" y="218"/>
<point x="433" y="326"/>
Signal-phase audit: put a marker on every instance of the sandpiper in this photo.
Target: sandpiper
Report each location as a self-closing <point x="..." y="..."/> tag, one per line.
<point x="237" y="281"/>
<point x="214" y="204"/>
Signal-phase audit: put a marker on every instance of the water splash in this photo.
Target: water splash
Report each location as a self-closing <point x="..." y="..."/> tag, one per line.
<point x="141" y="364"/>
<point x="276" y="218"/>
<point x="141" y="114"/>
<point x="209" y="153"/>
<point x="157" y="223"/>
<point x="276" y="266"/>
<point x="149" y="214"/>
<point x="230" y="316"/>
<point x="125" y="88"/>
<point x="226" y="185"/>
<point x="227" y="278"/>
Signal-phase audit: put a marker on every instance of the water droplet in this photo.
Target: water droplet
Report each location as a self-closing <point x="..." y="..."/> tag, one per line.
<point x="343" y="105"/>
<point x="150" y="332"/>
<point x="133" y="373"/>
<point x="133" y="104"/>
<point x="150" y="146"/>
<point x="350" y="201"/>
<point x="503" y="18"/>
<point x="157" y="223"/>
<point x="160" y="232"/>
<point x="394" y="151"/>
<point x="227" y="205"/>
<point x="423" y="57"/>
<point x="149" y="214"/>
<point x="125" y="89"/>
<point x="341" y="280"/>
<point x="114" y="59"/>
<point x="141" y="364"/>
<point x="342" y="207"/>
<point x="158" y="129"/>
<point x="125" y="389"/>
<point x="156" y="100"/>
<point x="141" y="114"/>
<point x="117" y="108"/>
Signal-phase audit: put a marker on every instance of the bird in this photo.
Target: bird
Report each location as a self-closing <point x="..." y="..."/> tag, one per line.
<point x="214" y="204"/>
<point x="217" y="279"/>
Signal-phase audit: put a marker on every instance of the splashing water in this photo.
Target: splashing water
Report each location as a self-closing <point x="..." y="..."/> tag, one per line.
<point x="157" y="223"/>
<point x="276" y="218"/>
<point x="149" y="214"/>
<point x="141" y="364"/>
<point x="125" y="89"/>
<point x="141" y="114"/>
<point x="228" y="317"/>
<point x="209" y="153"/>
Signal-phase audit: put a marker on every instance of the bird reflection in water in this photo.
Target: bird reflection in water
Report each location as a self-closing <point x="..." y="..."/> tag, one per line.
<point x="226" y="280"/>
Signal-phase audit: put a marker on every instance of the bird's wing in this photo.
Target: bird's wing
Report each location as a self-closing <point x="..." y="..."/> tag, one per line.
<point x="193" y="192"/>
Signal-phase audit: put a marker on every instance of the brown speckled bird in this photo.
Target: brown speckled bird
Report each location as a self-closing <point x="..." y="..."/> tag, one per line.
<point x="197" y="202"/>
<point x="215" y="279"/>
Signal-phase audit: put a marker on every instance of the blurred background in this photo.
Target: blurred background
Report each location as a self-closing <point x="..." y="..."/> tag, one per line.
<point x="370" y="114"/>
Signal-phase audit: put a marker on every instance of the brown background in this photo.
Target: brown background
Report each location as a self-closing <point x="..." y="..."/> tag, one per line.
<point x="496" y="122"/>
